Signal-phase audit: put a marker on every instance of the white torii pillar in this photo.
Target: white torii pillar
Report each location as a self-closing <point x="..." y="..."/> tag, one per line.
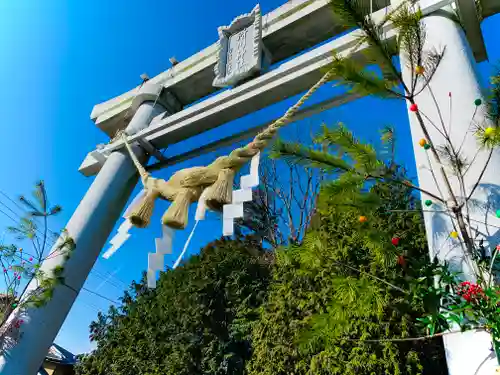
<point x="467" y="353"/>
<point x="89" y="226"/>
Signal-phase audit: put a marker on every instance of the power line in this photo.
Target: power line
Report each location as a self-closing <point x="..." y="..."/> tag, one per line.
<point x="100" y="295"/>
<point x="108" y="280"/>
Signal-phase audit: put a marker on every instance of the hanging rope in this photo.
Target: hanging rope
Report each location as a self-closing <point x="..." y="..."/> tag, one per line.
<point x="186" y="185"/>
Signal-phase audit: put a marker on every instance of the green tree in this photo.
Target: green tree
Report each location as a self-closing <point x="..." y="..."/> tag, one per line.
<point x="351" y="280"/>
<point x="197" y="320"/>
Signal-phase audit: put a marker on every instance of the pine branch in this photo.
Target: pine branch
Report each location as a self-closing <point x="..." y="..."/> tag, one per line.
<point x="308" y="157"/>
<point x="360" y="79"/>
<point x="363" y="155"/>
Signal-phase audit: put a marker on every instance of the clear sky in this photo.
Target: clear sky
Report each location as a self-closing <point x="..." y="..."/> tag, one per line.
<point x="59" y="58"/>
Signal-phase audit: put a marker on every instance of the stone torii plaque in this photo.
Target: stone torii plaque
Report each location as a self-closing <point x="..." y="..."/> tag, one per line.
<point x="241" y="51"/>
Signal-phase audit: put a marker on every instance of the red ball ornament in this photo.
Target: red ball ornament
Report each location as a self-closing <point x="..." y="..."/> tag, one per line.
<point x="414" y="108"/>
<point x="395" y="241"/>
<point x="31" y="258"/>
<point x="401" y="260"/>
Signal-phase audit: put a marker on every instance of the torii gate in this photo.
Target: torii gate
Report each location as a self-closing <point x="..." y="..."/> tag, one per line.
<point x="153" y="116"/>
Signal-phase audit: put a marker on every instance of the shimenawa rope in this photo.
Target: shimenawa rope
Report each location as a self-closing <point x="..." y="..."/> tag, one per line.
<point x="186" y="186"/>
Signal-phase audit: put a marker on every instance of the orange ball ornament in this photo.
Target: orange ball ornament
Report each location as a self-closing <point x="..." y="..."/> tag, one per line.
<point x="363" y="219"/>
<point x="422" y="142"/>
<point x="419" y="70"/>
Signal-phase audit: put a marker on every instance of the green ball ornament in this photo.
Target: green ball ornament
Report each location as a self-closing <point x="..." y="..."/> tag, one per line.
<point x="428" y="202"/>
<point x="14" y="305"/>
<point x="478" y="102"/>
<point x="427" y="146"/>
<point x="498" y="213"/>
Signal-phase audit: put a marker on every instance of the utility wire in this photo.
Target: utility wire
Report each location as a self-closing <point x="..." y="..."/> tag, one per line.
<point x="100" y="295"/>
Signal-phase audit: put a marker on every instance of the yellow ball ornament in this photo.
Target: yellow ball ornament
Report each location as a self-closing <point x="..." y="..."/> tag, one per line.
<point x="422" y="142"/>
<point x="454" y="234"/>
<point x="489" y="131"/>
<point x="419" y="70"/>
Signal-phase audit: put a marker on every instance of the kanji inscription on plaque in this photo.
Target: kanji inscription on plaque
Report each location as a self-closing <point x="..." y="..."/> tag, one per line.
<point x="240" y="49"/>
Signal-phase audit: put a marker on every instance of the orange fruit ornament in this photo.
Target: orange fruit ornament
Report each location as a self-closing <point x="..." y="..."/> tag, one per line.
<point x="363" y="219"/>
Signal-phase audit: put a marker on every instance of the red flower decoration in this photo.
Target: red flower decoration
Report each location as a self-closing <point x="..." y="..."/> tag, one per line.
<point x="395" y="241"/>
<point x="470" y="292"/>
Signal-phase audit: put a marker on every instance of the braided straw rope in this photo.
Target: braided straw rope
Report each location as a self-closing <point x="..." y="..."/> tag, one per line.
<point x="186" y="185"/>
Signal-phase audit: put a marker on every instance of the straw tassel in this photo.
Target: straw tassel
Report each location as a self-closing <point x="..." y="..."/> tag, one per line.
<point x="141" y="214"/>
<point x="221" y="192"/>
<point x="176" y="215"/>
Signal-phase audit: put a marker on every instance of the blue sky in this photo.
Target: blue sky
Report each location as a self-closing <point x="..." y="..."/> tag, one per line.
<point x="59" y="58"/>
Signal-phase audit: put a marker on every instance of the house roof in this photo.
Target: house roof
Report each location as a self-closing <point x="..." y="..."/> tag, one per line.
<point x="60" y="355"/>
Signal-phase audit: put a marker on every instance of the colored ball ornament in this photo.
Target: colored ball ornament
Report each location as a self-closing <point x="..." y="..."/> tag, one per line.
<point x="454" y="234"/>
<point x="428" y="203"/>
<point x="14" y="305"/>
<point x="363" y="219"/>
<point x="478" y="102"/>
<point x="498" y="247"/>
<point x="4" y="270"/>
<point x="401" y="260"/>
<point x="419" y="70"/>
<point x="498" y="213"/>
<point x="19" y="277"/>
<point x="31" y="258"/>
<point x="427" y="146"/>
<point x="414" y="108"/>
<point x="422" y="142"/>
<point x="489" y="131"/>
<point x="395" y="241"/>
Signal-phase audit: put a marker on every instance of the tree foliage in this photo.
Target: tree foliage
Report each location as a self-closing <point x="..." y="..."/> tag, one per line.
<point x="348" y="282"/>
<point x="197" y="320"/>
